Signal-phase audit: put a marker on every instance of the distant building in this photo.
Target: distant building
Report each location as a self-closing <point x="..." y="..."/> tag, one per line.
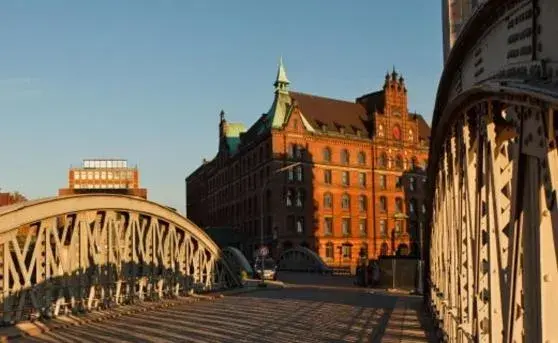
<point x="339" y="177"/>
<point x="104" y="176"/>
<point x="455" y="14"/>
<point x="11" y="198"/>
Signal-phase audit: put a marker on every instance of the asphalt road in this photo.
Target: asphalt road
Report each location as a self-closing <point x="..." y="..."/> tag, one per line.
<point x="309" y="310"/>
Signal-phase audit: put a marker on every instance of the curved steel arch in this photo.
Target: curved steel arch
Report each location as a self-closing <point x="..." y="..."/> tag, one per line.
<point x="493" y="179"/>
<point x="237" y="260"/>
<point x="81" y="252"/>
<point x="301" y="259"/>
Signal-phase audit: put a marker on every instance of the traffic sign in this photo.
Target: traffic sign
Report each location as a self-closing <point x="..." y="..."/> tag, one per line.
<point x="263" y="251"/>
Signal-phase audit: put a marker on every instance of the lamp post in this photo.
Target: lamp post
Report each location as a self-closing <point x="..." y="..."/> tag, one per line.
<point x="262" y="214"/>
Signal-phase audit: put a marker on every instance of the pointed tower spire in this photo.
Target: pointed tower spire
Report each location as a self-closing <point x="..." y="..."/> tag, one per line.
<point x="281" y="82"/>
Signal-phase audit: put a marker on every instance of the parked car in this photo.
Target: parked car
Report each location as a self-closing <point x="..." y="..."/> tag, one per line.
<point x="269" y="268"/>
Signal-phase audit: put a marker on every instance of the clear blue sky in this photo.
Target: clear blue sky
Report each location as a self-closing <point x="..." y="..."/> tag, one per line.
<point x="145" y="80"/>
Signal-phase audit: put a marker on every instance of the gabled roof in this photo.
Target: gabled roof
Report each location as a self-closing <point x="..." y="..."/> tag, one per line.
<point x="332" y="113"/>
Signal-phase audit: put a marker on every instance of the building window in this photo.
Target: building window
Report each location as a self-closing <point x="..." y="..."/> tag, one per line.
<point x="412" y="184"/>
<point x="399" y="182"/>
<point x="289" y="198"/>
<point x="300" y="225"/>
<point x="383" y="204"/>
<point x="328" y="226"/>
<point x="300" y="198"/>
<point x="346" y="250"/>
<point x="97" y="175"/>
<point x="384" y="249"/>
<point x="423" y="208"/>
<point x="291" y="151"/>
<point x="327" y="177"/>
<point x="383" y="182"/>
<point x="345" y="180"/>
<point x="298" y="151"/>
<point x="362" y="203"/>
<point x="344" y="156"/>
<point x="383" y="228"/>
<point x="345" y="202"/>
<point x="398" y="228"/>
<point x="399" y="205"/>
<point x="328" y="200"/>
<point x="380" y="130"/>
<point x="362" y="179"/>
<point x="76" y="175"/>
<point x="290" y="174"/>
<point x="327" y="154"/>
<point x="412" y="206"/>
<point x="399" y="162"/>
<point x="329" y="250"/>
<point x="410" y="136"/>
<point x="103" y="175"/>
<point x="109" y="175"/>
<point x="383" y="160"/>
<point x="362" y="227"/>
<point x="346" y="226"/>
<point x="299" y="173"/>
<point x="361" y="158"/>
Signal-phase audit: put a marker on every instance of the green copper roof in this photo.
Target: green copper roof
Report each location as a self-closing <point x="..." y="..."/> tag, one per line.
<point x="234" y="129"/>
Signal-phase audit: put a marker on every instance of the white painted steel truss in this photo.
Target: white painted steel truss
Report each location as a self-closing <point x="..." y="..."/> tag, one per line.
<point x="82" y="253"/>
<point x="494" y="235"/>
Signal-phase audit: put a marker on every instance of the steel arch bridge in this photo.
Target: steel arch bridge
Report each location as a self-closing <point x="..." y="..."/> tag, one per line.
<point x="84" y="252"/>
<point x="493" y="178"/>
<point x="301" y="258"/>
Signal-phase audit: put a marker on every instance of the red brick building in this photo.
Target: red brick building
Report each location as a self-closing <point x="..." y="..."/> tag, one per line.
<point x="335" y="176"/>
<point x="11" y="198"/>
<point x="104" y="176"/>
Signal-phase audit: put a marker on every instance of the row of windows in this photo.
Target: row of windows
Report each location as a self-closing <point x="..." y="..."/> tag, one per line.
<point x="346" y="201"/>
<point x="345" y="250"/>
<point x="101" y="186"/>
<point x="102" y="175"/>
<point x="296" y="151"/>
<point x="328" y="228"/>
<point x="345" y="226"/>
<point x="399" y="163"/>
<point x="345" y="178"/>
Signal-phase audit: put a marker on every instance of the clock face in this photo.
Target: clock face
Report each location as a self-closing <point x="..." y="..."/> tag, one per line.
<point x="396" y="132"/>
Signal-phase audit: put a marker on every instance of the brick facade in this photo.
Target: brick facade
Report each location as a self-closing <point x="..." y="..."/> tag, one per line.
<point x="318" y="165"/>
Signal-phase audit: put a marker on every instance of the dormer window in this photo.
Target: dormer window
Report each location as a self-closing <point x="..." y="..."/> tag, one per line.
<point x="324" y="127"/>
<point x="359" y="133"/>
<point x="342" y="130"/>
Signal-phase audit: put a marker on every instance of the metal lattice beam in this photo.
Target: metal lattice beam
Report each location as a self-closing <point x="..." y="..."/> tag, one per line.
<point x="87" y="252"/>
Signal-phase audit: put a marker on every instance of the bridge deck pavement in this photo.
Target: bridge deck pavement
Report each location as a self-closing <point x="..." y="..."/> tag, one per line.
<point x="301" y="312"/>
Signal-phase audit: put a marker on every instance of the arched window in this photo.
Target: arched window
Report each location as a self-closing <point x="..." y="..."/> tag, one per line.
<point x="383" y="228"/>
<point x="412" y="184"/>
<point x="300" y="225"/>
<point x="344" y="156"/>
<point x="300" y="198"/>
<point x="289" y="198"/>
<point x="399" y="162"/>
<point x="383" y="204"/>
<point x="327" y="154"/>
<point x="299" y="173"/>
<point x="328" y="200"/>
<point x="398" y="204"/>
<point x="361" y="158"/>
<point x="412" y="206"/>
<point x="362" y="203"/>
<point x="410" y="135"/>
<point x="345" y="201"/>
<point x="298" y="151"/>
<point x="329" y="250"/>
<point x="383" y="160"/>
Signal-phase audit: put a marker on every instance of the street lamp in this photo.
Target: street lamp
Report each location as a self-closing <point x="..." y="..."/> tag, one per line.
<point x="264" y="188"/>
